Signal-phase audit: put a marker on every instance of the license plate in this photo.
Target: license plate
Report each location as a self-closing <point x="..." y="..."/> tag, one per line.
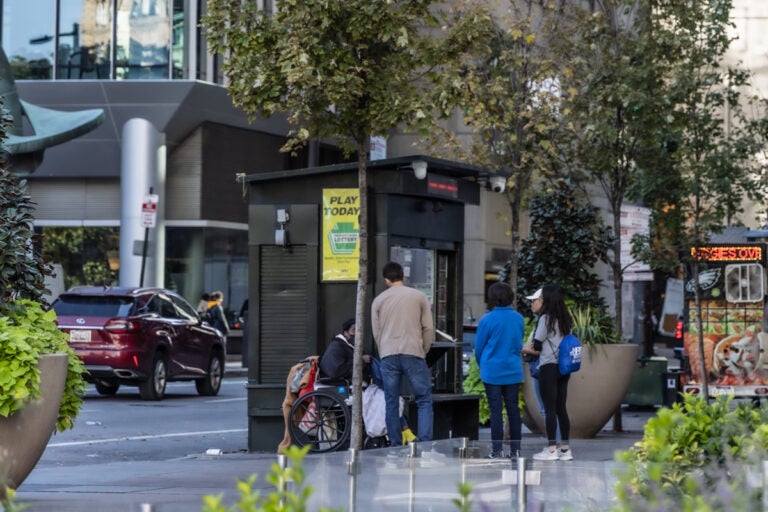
<point x="80" y="336"/>
<point x="722" y="390"/>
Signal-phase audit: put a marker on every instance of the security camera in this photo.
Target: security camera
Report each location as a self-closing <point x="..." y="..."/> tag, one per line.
<point x="498" y="184"/>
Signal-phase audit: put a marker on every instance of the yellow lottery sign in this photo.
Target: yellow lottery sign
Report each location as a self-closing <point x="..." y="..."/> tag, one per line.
<point x="341" y="234"/>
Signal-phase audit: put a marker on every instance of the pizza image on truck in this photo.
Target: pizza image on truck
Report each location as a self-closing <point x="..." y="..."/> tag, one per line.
<point x="733" y="323"/>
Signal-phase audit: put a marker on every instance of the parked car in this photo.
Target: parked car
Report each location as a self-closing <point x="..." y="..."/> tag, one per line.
<point x="141" y="337"/>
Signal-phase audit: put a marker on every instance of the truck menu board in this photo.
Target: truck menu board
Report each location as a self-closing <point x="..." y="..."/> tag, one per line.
<point x="732" y="322"/>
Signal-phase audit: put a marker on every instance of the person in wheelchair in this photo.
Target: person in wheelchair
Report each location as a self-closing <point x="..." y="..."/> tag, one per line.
<point x="321" y="418"/>
<point x="337" y="360"/>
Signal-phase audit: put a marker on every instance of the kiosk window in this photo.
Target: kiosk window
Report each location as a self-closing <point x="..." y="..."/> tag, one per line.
<point x="419" y="268"/>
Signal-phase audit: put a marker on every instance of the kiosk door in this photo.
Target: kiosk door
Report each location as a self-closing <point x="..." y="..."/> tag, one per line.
<point x="433" y="271"/>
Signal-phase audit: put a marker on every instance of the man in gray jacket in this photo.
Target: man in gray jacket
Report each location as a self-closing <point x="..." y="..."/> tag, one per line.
<point x="401" y="318"/>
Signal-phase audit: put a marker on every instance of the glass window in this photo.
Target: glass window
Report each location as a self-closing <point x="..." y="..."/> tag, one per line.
<point x="28" y="37"/>
<point x="418" y="267"/>
<point x="179" y="31"/>
<point x="143" y="39"/>
<point x="85" y="32"/>
<point x="185" y="310"/>
<point x="88" y="255"/>
<point x="205" y="260"/>
<point x="83" y="305"/>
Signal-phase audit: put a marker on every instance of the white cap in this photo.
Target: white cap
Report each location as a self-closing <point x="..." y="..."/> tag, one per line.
<point x="536" y="295"/>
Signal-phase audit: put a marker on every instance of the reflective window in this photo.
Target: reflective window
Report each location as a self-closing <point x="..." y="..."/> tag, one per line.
<point x="149" y="35"/>
<point x="28" y="37"/>
<point x="85" y="32"/>
<point x="143" y="39"/>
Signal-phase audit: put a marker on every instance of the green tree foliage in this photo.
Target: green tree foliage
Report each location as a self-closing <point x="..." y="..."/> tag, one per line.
<point x="22" y="267"/>
<point x="711" y="139"/>
<point x="615" y="119"/>
<point x="567" y="239"/>
<point x="341" y="70"/>
<point x="506" y="82"/>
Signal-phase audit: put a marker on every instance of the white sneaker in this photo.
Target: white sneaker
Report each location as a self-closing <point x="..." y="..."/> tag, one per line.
<point x="565" y="454"/>
<point x="545" y="454"/>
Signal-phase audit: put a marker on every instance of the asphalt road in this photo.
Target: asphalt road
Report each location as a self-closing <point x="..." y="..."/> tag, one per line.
<point x="125" y="428"/>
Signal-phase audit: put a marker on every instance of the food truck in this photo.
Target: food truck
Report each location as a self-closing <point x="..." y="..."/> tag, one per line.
<point x="732" y="294"/>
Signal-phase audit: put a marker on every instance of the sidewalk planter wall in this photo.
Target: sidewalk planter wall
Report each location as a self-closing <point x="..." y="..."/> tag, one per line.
<point x="594" y="392"/>
<point x="25" y="434"/>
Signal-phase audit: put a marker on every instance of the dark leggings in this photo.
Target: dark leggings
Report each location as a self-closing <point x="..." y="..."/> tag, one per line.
<point x="554" y="393"/>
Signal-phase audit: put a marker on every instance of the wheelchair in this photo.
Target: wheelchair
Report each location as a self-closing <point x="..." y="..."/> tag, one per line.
<point x="322" y="419"/>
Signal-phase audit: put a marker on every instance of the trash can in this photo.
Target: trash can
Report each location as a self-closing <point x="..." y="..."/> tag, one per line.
<point x="672" y="387"/>
<point x="644" y="388"/>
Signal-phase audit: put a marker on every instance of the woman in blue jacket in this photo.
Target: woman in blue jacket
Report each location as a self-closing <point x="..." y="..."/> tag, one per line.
<point x="498" y="345"/>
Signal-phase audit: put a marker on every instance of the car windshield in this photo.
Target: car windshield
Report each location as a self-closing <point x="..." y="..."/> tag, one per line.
<point x="80" y="305"/>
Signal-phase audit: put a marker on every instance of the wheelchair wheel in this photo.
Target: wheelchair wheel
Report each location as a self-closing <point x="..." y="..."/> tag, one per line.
<point x="321" y="420"/>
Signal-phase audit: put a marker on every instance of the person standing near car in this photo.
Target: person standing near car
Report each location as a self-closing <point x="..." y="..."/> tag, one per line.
<point x="498" y="346"/>
<point x="401" y="319"/>
<point x="216" y="313"/>
<point x="202" y="306"/>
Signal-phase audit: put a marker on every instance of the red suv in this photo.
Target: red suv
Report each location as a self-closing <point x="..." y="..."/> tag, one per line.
<point x="140" y="337"/>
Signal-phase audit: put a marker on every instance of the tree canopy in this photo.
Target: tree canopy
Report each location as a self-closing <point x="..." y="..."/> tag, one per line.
<point x="341" y="70"/>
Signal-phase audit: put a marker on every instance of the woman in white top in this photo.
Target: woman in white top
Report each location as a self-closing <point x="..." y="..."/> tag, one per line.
<point x="554" y="323"/>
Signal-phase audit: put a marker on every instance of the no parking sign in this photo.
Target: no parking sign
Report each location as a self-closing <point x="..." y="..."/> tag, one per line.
<point x="149" y="210"/>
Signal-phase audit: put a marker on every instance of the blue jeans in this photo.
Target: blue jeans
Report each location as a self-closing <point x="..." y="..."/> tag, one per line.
<point x="393" y="369"/>
<point x="508" y="394"/>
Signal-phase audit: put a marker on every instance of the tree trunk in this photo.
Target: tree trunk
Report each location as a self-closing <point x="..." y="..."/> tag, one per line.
<point x="515" y="202"/>
<point x="616" y="264"/>
<point x="356" y="440"/>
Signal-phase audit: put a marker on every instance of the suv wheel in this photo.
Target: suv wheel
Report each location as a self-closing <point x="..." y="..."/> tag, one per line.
<point x="106" y="387"/>
<point x="210" y="385"/>
<point x="154" y="387"/>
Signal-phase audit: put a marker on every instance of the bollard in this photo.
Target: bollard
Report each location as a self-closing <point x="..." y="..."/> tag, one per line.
<point x="521" y="490"/>
<point x="765" y="486"/>
<point x="463" y="448"/>
<point x="521" y="478"/>
<point x="353" y="468"/>
<point x="412" y="453"/>
<point x="147" y="507"/>
<point x="282" y="461"/>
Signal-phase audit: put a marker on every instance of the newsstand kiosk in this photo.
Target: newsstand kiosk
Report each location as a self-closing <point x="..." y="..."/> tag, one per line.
<point x="303" y="256"/>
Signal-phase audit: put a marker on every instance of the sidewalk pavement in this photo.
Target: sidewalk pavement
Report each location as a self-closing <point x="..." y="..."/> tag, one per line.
<point x="178" y="485"/>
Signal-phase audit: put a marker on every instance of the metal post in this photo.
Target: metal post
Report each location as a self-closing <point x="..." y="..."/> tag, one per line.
<point x="353" y="468"/>
<point x="144" y="251"/>
<point x="521" y="494"/>
<point x="282" y="461"/>
<point x="765" y="486"/>
<point x="412" y="453"/>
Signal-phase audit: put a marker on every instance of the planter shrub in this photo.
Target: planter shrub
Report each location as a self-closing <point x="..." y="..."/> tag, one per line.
<point x="25" y="334"/>
<point x="697" y="456"/>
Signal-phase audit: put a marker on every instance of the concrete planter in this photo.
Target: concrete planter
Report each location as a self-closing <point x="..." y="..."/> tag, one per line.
<point x="25" y="434"/>
<point x="594" y="392"/>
